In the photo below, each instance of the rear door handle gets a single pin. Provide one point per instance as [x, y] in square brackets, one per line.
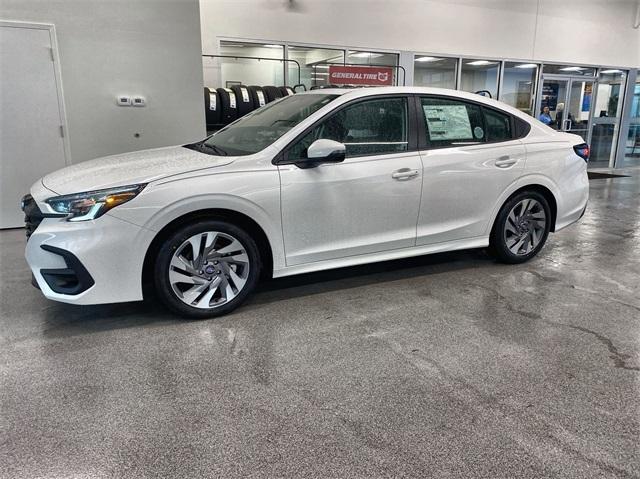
[404, 174]
[505, 161]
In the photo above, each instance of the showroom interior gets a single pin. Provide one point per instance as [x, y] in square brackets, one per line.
[451, 364]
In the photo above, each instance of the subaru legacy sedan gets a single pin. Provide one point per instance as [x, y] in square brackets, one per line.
[318, 180]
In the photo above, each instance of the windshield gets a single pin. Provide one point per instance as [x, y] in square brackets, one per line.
[257, 130]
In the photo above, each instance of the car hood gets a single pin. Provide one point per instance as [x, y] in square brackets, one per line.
[130, 168]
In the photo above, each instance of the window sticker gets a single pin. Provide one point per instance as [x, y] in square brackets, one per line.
[448, 122]
[478, 132]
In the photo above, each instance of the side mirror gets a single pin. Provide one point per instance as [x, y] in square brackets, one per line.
[324, 151]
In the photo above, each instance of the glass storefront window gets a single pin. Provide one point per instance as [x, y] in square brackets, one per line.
[568, 70]
[251, 72]
[439, 72]
[312, 71]
[518, 85]
[480, 75]
[360, 57]
[606, 116]
[371, 58]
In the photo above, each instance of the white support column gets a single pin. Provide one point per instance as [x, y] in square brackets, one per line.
[406, 60]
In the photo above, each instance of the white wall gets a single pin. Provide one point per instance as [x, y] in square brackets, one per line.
[577, 31]
[110, 47]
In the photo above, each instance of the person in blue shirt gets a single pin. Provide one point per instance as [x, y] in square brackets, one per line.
[545, 116]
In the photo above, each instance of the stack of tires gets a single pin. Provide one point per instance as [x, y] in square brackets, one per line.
[224, 105]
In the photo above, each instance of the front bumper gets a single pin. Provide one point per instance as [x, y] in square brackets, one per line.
[90, 262]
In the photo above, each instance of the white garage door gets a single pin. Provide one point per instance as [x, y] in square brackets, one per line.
[31, 142]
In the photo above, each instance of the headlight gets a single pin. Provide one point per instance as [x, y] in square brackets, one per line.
[93, 204]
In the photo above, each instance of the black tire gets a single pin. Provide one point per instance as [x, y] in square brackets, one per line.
[273, 93]
[164, 288]
[499, 236]
[244, 100]
[286, 90]
[258, 95]
[212, 106]
[228, 105]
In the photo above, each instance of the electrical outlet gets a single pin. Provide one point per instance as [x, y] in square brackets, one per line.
[123, 100]
[138, 101]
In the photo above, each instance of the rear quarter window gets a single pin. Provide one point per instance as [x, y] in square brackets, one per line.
[498, 125]
[522, 127]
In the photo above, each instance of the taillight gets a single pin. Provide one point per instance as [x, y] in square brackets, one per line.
[582, 151]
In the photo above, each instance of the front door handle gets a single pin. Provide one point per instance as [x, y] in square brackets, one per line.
[404, 174]
[505, 161]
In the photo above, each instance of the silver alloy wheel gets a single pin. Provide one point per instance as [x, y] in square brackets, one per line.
[525, 226]
[209, 269]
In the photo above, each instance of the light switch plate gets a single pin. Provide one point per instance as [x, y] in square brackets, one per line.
[123, 100]
[138, 101]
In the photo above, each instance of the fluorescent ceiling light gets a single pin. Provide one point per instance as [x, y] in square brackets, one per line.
[571, 69]
[271, 46]
[611, 71]
[478, 63]
[527, 65]
[320, 74]
[429, 59]
[365, 55]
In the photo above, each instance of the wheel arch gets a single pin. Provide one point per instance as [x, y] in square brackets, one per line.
[539, 188]
[239, 219]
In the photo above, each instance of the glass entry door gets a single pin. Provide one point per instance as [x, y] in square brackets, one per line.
[569, 102]
[607, 114]
[578, 109]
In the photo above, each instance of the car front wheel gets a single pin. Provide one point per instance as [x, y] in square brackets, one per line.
[206, 269]
[521, 228]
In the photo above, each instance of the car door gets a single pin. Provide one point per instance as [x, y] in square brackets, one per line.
[470, 156]
[369, 202]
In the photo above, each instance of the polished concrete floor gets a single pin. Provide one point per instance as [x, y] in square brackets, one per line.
[443, 366]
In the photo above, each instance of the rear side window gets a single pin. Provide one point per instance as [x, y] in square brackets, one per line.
[452, 122]
[498, 125]
[369, 127]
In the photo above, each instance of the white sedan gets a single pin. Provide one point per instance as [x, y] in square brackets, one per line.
[318, 180]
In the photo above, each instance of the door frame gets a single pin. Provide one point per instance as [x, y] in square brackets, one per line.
[569, 79]
[55, 58]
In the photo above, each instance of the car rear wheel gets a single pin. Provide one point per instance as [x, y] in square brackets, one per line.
[206, 269]
[521, 228]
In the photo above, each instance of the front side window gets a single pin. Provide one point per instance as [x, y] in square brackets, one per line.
[498, 125]
[259, 129]
[369, 127]
[452, 122]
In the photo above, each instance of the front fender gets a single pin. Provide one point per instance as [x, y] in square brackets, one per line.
[259, 199]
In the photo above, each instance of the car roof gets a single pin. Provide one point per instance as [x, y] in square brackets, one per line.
[352, 93]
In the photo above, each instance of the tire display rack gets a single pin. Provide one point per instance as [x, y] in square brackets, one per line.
[225, 105]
